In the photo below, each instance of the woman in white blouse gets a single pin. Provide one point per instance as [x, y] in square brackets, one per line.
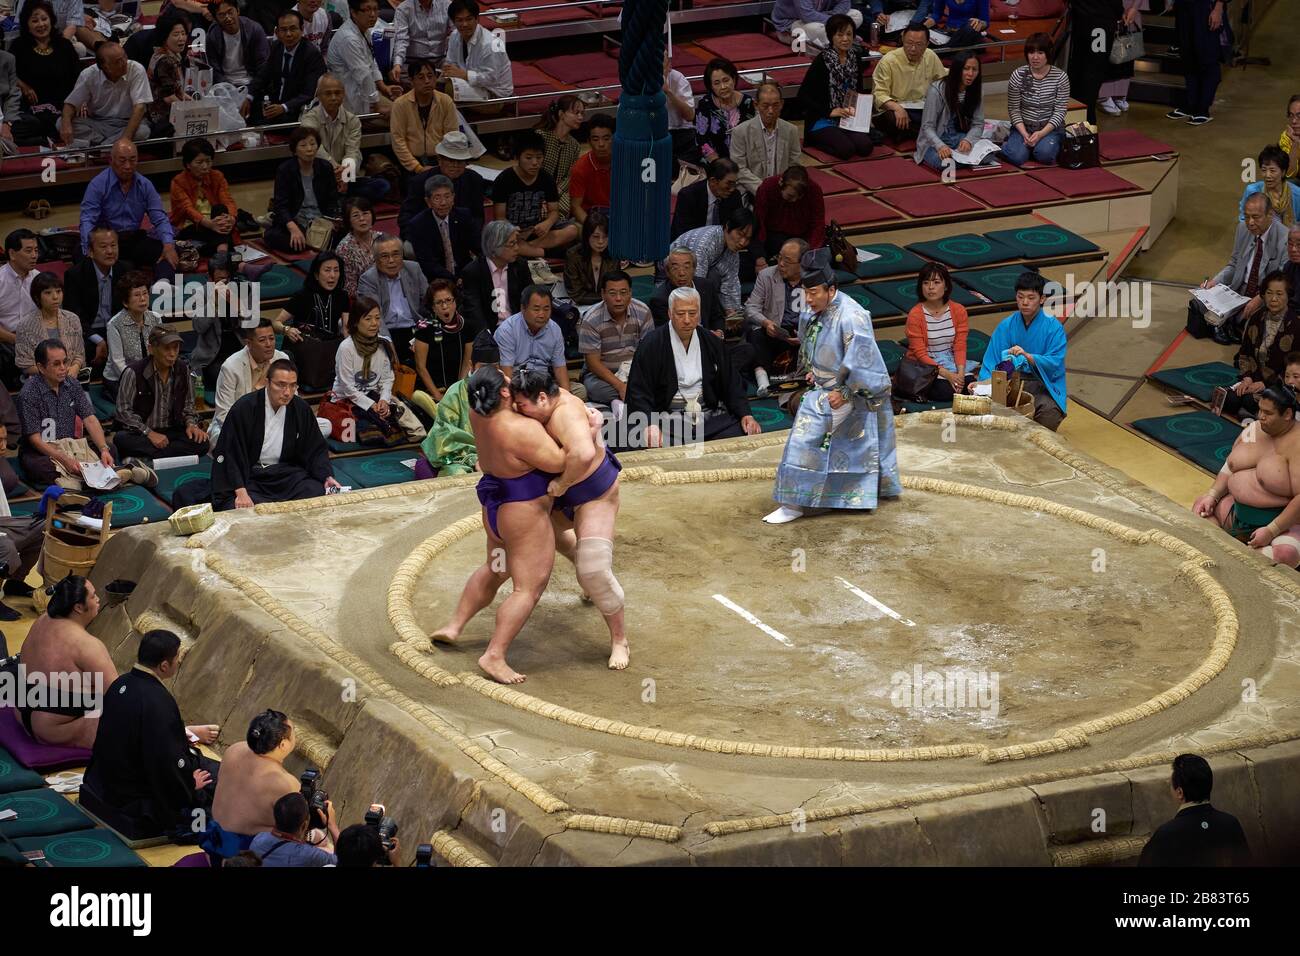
[363, 382]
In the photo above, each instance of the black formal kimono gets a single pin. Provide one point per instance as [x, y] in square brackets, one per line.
[304, 457]
[141, 774]
[1198, 836]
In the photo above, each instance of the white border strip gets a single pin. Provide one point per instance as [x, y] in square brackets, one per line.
[876, 604]
[769, 631]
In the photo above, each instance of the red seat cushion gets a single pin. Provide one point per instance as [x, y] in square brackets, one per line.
[936, 200]
[887, 173]
[1083, 182]
[539, 104]
[1003, 191]
[1129, 144]
[854, 209]
[831, 183]
[580, 68]
[525, 74]
[823, 159]
[741, 47]
[1026, 9]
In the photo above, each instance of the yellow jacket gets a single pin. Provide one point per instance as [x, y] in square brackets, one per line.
[410, 138]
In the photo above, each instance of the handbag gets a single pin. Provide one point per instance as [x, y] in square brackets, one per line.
[1080, 148]
[844, 256]
[914, 379]
[404, 379]
[320, 234]
[315, 360]
[1127, 46]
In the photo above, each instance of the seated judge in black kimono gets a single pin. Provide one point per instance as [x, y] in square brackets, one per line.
[271, 447]
[146, 777]
[1198, 835]
[683, 387]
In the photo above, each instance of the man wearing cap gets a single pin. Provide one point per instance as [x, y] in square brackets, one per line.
[155, 404]
[841, 452]
[454, 154]
[449, 447]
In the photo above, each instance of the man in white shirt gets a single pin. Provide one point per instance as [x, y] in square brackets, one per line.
[352, 60]
[476, 59]
[421, 34]
[108, 101]
[16, 284]
[244, 372]
[681, 114]
[316, 23]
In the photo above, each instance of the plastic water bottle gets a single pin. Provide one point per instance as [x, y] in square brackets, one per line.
[875, 35]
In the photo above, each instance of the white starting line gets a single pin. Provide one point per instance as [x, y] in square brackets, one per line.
[769, 631]
[876, 604]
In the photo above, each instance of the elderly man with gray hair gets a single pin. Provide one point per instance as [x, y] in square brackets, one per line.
[399, 286]
[1258, 248]
[443, 238]
[492, 284]
[683, 387]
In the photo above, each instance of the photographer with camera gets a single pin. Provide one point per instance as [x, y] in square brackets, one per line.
[362, 845]
[289, 843]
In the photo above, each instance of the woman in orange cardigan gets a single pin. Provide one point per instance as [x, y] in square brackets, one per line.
[936, 332]
[203, 211]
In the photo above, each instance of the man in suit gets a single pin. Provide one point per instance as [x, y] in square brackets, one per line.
[287, 80]
[443, 238]
[1258, 248]
[772, 312]
[493, 283]
[1198, 835]
[710, 201]
[399, 286]
[90, 291]
[765, 145]
[682, 387]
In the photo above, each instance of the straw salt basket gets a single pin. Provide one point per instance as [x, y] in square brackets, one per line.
[192, 519]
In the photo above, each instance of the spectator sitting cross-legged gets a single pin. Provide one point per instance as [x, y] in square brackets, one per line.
[526, 195]
[361, 400]
[399, 288]
[108, 101]
[120, 198]
[830, 89]
[339, 131]
[937, 328]
[765, 145]
[443, 238]
[288, 79]
[788, 206]
[128, 331]
[609, 336]
[587, 263]
[49, 320]
[899, 83]
[203, 211]
[47, 66]
[589, 180]
[442, 341]
[532, 336]
[305, 190]
[772, 314]
[477, 62]
[245, 370]
[155, 404]
[421, 118]
[954, 113]
[720, 109]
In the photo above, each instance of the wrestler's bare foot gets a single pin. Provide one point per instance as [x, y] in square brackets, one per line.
[499, 670]
[585, 597]
[619, 654]
[446, 635]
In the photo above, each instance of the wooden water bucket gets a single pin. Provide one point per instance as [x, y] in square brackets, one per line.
[70, 548]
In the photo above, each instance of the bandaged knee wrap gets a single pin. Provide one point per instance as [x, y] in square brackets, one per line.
[595, 567]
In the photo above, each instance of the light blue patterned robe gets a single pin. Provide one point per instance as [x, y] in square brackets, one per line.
[857, 464]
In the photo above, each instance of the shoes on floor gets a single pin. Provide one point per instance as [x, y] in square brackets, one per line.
[1122, 104]
[1177, 114]
[1108, 105]
[7, 613]
[1199, 120]
[144, 476]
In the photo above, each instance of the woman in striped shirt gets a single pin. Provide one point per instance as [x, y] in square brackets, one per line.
[936, 332]
[1037, 96]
